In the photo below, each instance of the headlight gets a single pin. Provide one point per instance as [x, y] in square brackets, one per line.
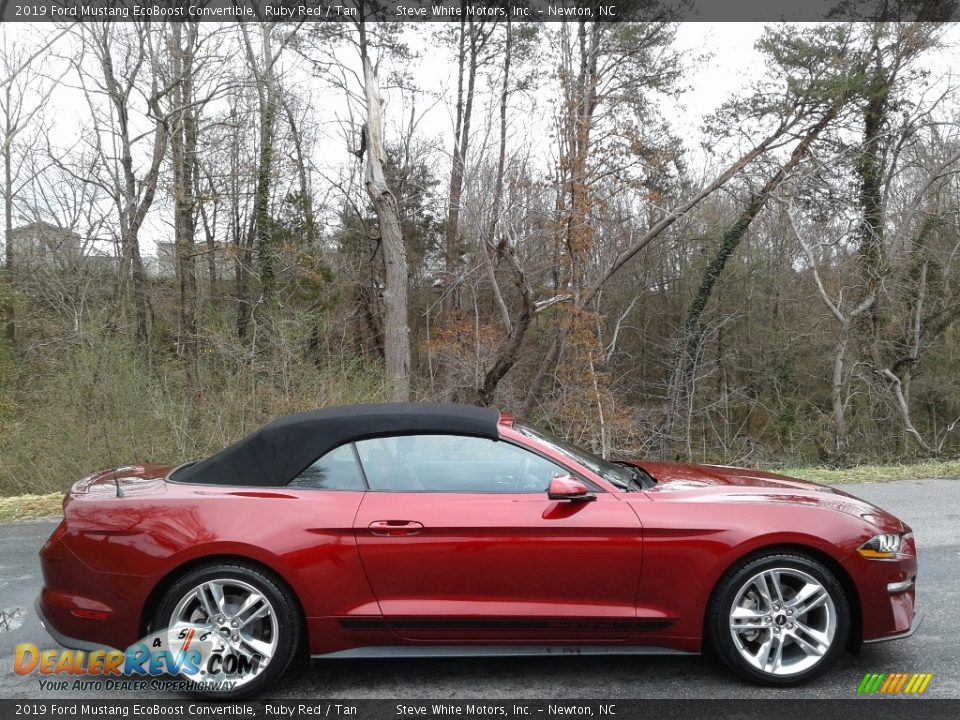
[884, 545]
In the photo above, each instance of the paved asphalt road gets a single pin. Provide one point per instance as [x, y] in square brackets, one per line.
[932, 507]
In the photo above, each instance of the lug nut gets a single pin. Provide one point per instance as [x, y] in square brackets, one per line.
[790, 626]
[234, 624]
[220, 619]
[789, 612]
[236, 637]
[766, 619]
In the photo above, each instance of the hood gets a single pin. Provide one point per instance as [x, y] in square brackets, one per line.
[716, 483]
[681, 476]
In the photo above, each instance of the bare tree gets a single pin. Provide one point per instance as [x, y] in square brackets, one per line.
[472, 39]
[23, 96]
[183, 43]
[263, 70]
[117, 142]
[845, 318]
[396, 332]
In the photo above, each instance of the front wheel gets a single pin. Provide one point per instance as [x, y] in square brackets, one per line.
[244, 620]
[779, 619]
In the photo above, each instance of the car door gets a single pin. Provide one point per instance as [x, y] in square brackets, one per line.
[460, 542]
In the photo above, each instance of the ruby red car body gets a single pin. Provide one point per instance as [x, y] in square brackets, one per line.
[630, 569]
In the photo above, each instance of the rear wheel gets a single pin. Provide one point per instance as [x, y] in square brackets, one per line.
[779, 618]
[243, 619]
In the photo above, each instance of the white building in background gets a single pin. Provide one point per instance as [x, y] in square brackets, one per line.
[41, 244]
[53, 247]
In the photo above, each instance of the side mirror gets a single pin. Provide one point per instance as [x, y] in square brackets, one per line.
[567, 487]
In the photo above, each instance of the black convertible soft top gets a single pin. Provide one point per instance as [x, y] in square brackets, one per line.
[278, 452]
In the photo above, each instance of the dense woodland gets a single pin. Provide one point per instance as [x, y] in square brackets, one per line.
[783, 291]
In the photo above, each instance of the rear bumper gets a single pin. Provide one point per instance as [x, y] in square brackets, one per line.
[66, 641]
[83, 608]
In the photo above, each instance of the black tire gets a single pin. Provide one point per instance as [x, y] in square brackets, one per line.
[291, 637]
[720, 637]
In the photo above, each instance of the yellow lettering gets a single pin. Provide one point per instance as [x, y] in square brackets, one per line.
[95, 666]
[112, 661]
[25, 658]
[47, 658]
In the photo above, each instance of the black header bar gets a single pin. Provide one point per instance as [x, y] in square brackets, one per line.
[472, 709]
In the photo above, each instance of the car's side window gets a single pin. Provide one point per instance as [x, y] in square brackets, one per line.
[337, 470]
[453, 463]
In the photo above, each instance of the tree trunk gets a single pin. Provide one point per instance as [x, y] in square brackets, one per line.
[396, 332]
[140, 302]
[841, 441]
[9, 313]
[467, 63]
[261, 210]
[870, 171]
[582, 102]
[183, 144]
[241, 256]
[306, 199]
[210, 235]
[492, 243]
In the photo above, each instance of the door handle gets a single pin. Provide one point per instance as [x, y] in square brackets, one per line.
[395, 527]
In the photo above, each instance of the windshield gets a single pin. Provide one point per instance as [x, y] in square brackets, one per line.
[617, 475]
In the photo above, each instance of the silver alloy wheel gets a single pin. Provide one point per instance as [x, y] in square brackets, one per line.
[783, 621]
[235, 616]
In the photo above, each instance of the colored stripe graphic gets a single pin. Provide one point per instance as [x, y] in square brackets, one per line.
[894, 683]
[186, 643]
[900, 682]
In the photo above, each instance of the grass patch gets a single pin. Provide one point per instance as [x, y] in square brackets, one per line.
[30, 507]
[876, 473]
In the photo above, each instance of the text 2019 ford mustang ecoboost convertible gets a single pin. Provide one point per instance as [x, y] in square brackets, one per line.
[421, 529]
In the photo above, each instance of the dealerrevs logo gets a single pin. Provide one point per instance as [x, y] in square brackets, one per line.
[192, 653]
[894, 683]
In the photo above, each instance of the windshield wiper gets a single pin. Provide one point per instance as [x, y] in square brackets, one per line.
[641, 478]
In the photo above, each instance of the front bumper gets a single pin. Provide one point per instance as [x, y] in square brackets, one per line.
[888, 594]
[917, 619]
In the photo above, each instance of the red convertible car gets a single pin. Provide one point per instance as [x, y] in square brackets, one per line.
[448, 530]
